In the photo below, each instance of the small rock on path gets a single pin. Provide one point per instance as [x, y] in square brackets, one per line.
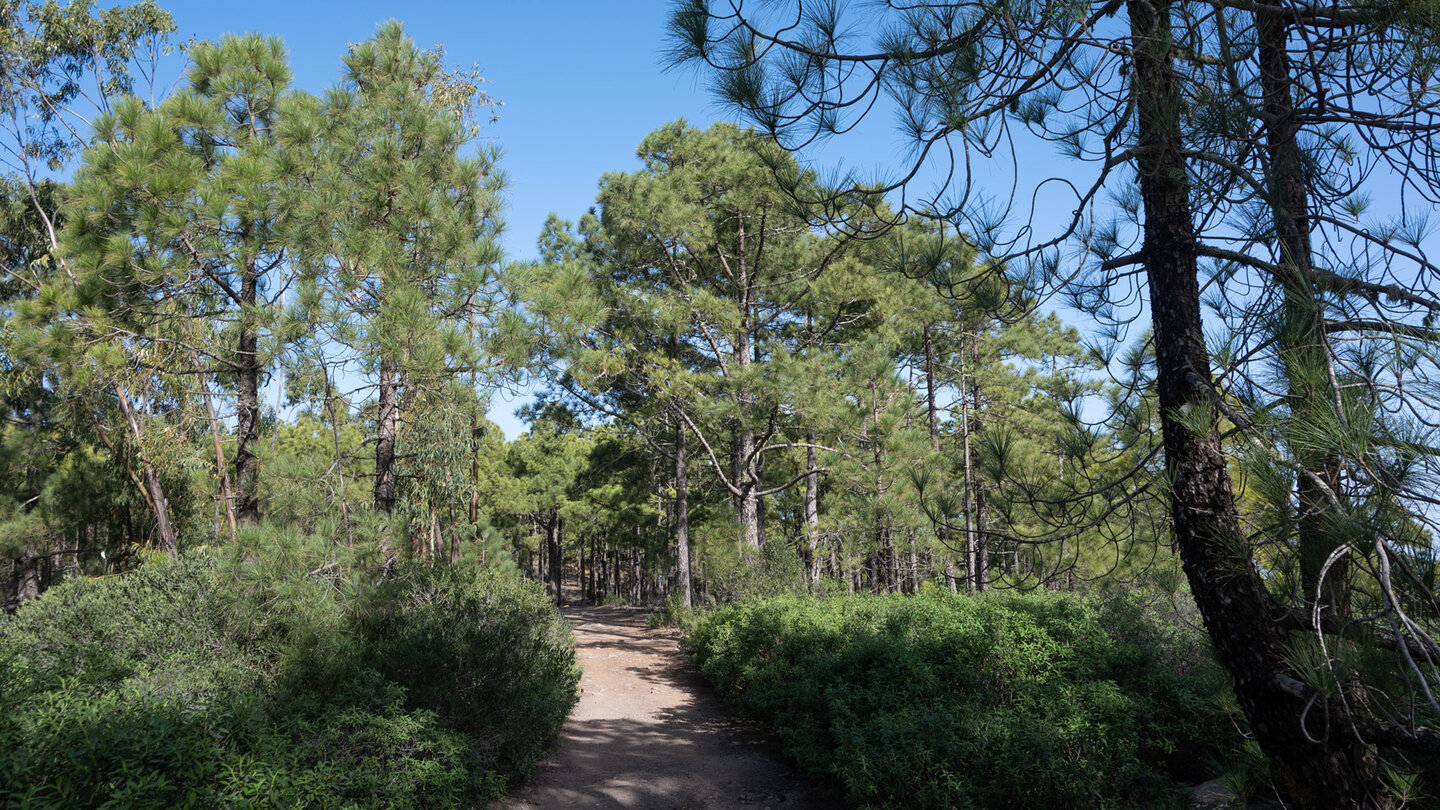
[649, 734]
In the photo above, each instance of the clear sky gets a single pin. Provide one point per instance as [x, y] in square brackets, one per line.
[582, 83]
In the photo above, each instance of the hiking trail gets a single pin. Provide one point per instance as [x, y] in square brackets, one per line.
[649, 733]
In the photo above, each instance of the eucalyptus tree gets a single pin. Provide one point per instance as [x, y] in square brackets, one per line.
[1124, 87]
[59, 67]
[400, 226]
[192, 243]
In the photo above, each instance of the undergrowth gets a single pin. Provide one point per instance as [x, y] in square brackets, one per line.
[1006, 701]
[277, 673]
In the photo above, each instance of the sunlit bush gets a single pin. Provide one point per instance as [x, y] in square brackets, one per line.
[279, 674]
[1008, 701]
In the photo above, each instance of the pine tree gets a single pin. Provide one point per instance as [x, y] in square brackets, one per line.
[401, 228]
[692, 276]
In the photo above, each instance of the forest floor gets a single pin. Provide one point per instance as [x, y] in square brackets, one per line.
[650, 734]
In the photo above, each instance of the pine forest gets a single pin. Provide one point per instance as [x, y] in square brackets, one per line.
[1072, 440]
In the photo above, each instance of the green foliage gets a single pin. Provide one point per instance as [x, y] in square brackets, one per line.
[733, 574]
[276, 675]
[940, 701]
[446, 636]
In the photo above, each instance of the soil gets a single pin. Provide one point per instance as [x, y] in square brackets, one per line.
[649, 734]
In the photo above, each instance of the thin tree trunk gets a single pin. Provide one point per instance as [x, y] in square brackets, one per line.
[154, 491]
[912, 574]
[454, 539]
[1304, 351]
[387, 424]
[977, 498]
[932, 421]
[682, 518]
[972, 576]
[554, 529]
[339, 460]
[812, 507]
[220, 472]
[745, 467]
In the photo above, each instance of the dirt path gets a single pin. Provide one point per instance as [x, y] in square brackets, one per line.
[648, 734]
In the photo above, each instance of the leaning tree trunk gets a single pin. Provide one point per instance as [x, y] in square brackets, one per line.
[1224, 581]
[150, 478]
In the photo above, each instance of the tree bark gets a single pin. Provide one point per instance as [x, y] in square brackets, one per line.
[977, 497]
[1304, 352]
[387, 424]
[682, 518]
[932, 422]
[1224, 581]
[812, 508]
[247, 402]
[553, 531]
[746, 472]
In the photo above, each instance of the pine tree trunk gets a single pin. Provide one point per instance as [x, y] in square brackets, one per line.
[977, 496]
[812, 508]
[387, 424]
[912, 571]
[750, 518]
[553, 529]
[1223, 578]
[247, 402]
[942, 532]
[972, 571]
[27, 579]
[682, 518]
[745, 467]
[1303, 347]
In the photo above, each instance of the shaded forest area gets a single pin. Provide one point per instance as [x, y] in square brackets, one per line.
[250, 334]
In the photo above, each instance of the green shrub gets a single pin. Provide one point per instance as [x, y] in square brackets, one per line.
[276, 675]
[1009, 701]
[486, 654]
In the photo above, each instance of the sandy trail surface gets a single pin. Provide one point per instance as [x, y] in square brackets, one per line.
[649, 734]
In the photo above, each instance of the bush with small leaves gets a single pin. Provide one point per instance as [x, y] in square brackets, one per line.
[1006, 701]
[277, 674]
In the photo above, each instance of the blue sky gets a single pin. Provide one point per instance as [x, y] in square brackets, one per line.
[581, 82]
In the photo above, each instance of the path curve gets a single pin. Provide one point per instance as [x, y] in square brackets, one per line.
[649, 734]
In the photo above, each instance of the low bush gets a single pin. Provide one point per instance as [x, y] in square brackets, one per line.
[1007, 701]
[257, 678]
